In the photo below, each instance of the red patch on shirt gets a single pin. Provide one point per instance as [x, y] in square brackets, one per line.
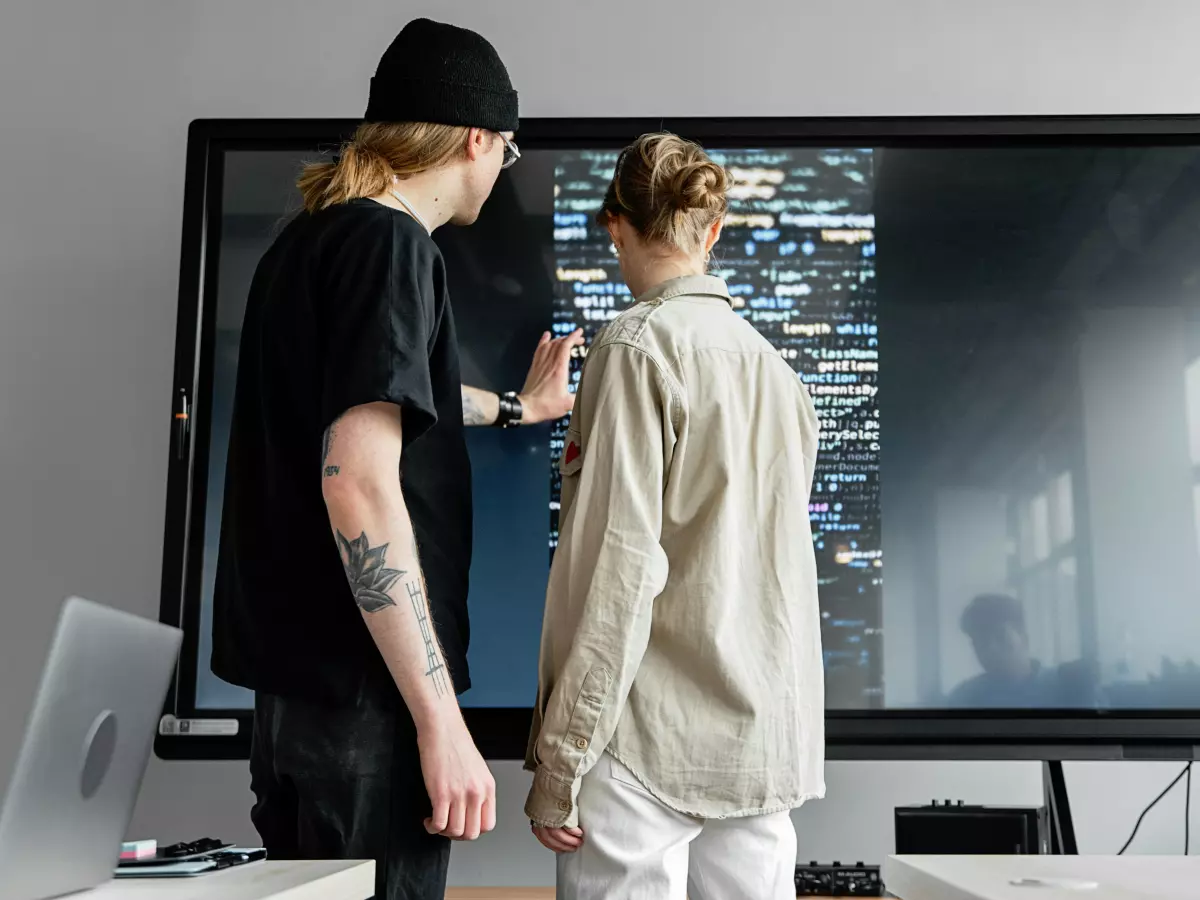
[572, 453]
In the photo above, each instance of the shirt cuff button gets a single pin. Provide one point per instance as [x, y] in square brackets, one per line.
[564, 805]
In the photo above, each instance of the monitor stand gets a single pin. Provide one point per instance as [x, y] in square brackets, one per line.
[1061, 837]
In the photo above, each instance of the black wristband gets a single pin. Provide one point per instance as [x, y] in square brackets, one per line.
[511, 412]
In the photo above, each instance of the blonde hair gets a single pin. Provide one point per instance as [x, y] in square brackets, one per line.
[669, 189]
[379, 151]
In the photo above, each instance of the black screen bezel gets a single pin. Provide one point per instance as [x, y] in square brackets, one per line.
[502, 733]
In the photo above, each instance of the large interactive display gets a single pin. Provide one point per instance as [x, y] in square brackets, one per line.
[999, 324]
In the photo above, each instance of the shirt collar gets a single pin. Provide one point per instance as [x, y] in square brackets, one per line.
[688, 285]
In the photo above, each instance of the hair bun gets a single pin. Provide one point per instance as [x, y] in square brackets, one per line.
[698, 184]
[669, 190]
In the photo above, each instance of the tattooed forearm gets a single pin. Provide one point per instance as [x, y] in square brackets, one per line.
[436, 667]
[480, 407]
[369, 579]
[472, 414]
[327, 443]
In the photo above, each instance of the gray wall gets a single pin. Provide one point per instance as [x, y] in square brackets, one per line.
[94, 103]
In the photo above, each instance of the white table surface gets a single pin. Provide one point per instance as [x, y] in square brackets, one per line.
[991, 877]
[308, 880]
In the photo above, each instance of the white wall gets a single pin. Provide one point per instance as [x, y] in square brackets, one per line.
[94, 103]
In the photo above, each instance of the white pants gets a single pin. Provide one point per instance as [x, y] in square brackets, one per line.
[636, 847]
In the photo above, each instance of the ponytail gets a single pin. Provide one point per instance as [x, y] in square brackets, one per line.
[378, 152]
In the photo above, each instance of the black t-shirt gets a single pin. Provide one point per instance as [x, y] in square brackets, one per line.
[348, 306]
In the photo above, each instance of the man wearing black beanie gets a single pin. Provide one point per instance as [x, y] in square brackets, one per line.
[347, 463]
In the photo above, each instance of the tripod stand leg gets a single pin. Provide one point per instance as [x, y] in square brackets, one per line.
[1058, 809]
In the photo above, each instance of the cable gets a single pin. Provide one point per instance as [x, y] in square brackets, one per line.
[1187, 770]
[1187, 814]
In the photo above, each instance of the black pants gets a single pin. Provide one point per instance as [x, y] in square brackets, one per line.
[346, 784]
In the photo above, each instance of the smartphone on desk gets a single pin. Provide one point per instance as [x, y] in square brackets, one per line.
[189, 868]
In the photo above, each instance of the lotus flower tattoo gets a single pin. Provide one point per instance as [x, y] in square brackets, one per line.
[365, 571]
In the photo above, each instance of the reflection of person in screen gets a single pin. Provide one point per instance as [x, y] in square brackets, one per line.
[347, 460]
[680, 704]
[1011, 677]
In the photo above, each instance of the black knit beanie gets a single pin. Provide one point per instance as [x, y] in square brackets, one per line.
[440, 73]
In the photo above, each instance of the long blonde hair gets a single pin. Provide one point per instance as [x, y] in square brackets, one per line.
[379, 151]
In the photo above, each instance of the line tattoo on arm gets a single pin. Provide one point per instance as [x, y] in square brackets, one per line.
[435, 659]
[472, 414]
[369, 579]
[326, 445]
[436, 667]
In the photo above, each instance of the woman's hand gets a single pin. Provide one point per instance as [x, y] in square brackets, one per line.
[560, 840]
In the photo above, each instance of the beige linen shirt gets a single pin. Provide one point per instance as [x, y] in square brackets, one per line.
[681, 631]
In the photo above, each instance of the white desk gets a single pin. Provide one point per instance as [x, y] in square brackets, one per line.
[320, 880]
[990, 877]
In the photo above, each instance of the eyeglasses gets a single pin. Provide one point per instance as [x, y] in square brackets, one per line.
[511, 153]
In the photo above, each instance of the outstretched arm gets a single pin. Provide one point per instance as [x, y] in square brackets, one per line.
[480, 407]
[546, 395]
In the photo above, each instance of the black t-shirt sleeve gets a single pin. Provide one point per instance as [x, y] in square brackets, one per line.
[381, 317]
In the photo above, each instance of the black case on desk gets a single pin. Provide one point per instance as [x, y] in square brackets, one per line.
[953, 828]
